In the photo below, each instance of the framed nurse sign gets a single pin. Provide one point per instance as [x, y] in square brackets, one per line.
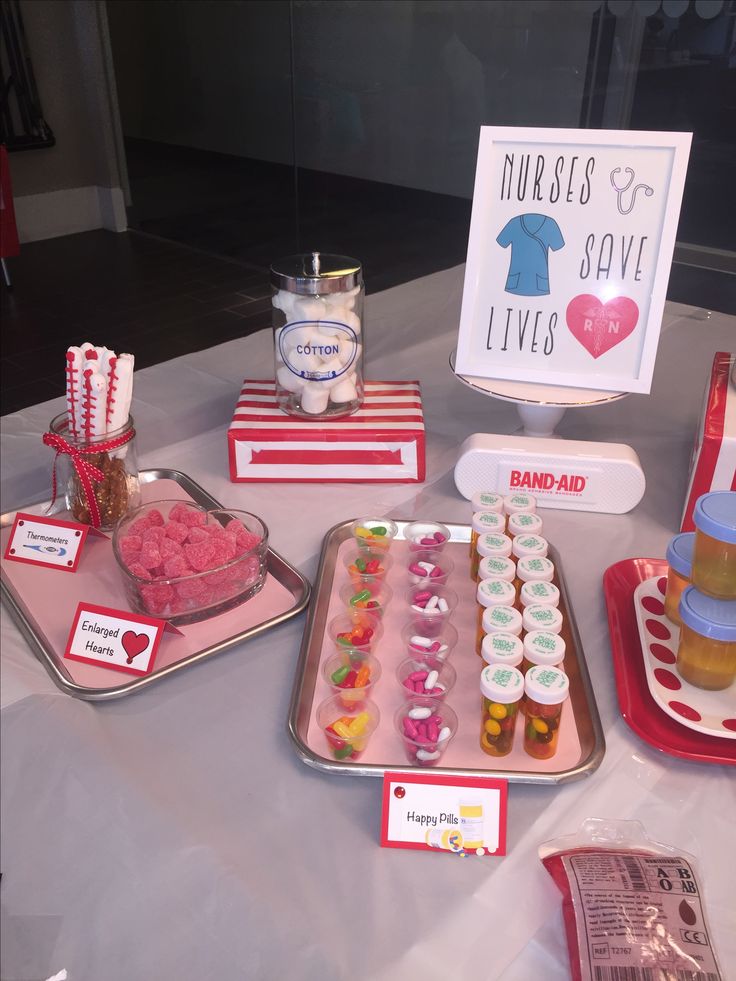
[569, 256]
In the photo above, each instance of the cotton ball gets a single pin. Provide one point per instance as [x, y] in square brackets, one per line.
[314, 398]
[346, 300]
[309, 308]
[344, 391]
[299, 336]
[304, 362]
[288, 380]
[352, 320]
[347, 346]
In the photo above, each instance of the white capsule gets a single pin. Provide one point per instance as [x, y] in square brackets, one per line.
[444, 734]
[441, 651]
[427, 566]
[419, 713]
[344, 390]
[288, 380]
[417, 609]
[432, 603]
[425, 754]
[418, 641]
[431, 680]
[314, 398]
[442, 605]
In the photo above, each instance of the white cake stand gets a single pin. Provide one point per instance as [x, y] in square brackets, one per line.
[541, 407]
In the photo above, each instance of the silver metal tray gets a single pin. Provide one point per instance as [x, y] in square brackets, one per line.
[278, 567]
[585, 710]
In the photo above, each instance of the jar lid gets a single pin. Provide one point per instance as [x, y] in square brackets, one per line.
[501, 683]
[515, 503]
[504, 619]
[502, 648]
[525, 522]
[535, 568]
[524, 545]
[544, 647]
[542, 618]
[316, 273]
[493, 543]
[680, 553]
[485, 521]
[548, 686]
[710, 617]
[495, 592]
[715, 515]
[497, 567]
[487, 501]
[540, 593]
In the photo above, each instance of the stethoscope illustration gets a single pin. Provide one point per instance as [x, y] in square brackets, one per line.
[620, 191]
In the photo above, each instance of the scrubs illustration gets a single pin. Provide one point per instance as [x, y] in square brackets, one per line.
[530, 238]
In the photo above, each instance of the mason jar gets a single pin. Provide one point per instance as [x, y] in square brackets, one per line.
[317, 315]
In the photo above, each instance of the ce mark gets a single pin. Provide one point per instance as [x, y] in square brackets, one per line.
[694, 937]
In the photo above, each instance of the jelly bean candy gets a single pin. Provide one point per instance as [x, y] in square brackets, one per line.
[363, 677]
[360, 564]
[360, 598]
[349, 680]
[337, 677]
[362, 533]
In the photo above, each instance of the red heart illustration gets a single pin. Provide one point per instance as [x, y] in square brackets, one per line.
[134, 644]
[600, 326]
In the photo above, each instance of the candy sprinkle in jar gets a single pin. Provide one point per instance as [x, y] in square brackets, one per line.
[501, 689]
[546, 691]
[714, 555]
[706, 656]
[679, 560]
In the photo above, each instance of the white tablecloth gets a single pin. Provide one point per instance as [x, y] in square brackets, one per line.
[174, 834]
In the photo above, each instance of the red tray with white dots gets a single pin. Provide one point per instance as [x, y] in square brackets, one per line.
[671, 732]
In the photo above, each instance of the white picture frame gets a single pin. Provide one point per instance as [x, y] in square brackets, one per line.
[597, 211]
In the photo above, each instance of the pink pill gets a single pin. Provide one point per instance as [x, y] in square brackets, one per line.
[422, 728]
[410, 729]
[435, 647]
[433, 732]
[435, 573]
[435, 720]
[422, 740]
[418, 675]
[423, 595]
[437, 690]
[416, 569]
[428, 541]
[418, 687]
[439, 537]
[408, 684]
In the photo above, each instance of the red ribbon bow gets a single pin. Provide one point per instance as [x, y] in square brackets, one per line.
[85, 470]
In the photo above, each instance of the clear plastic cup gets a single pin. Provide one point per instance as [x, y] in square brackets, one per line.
[374, 533]
[359, 560]
[374, 598]
[419, 573]
[418, 644]
[352, 675]
[425, 731]
[427, 680]
[426, 534]
[347, 730]
[345, 631]
[431, 603]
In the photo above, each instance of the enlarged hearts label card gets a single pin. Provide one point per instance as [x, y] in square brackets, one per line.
[114, 639]
[47, 542]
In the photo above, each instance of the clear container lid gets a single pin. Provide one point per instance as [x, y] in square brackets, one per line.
[497, 567]
[715, 515]
[502, 648]
[487, 501]
[707, 616]
[543, 647]
[542, 618]
[515, 503]
[548, 686]
[317, 273]
[525, 523]
[492, 543]
[495, 592]
[535, 568]
[539, 593]
[505, 619]
[484, 521]
[501, 684]
[680, 553]
[524, 545]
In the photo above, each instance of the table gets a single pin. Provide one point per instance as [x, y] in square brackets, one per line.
[175, 834]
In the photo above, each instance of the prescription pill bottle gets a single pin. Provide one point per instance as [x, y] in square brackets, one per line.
[541, 647]
[496, 567]
[519, 504]
[539, 593]
[317, 316]
[706, 656]
[501, 689]
[490, 544]
[533, 568]
[501, 619]
[527, 546]
[489, 593]
[714, 555]
[484, 500]
[471, 823]
[449, 839]
[522, 523]
[540, 617]
[679, 560]
[546, 690]
[502, 648]
[483, 522]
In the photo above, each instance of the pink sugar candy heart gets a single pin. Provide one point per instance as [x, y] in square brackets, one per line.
[139, 526]
[155, 517]
[199, 556]
[179, 510]
[168, 547]
[150, 557]
[175, 567]
[177, 531]
[130, 545]
[197, 534]
[193, 518]
[154, 533]
[191, 590]
[156, 598]
[138, 570]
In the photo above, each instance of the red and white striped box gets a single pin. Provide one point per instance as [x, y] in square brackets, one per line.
[713, 463]
[382, 442]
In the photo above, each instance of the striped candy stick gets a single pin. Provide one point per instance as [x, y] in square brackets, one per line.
[74, 360]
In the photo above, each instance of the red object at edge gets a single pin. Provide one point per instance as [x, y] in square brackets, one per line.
[9, 244]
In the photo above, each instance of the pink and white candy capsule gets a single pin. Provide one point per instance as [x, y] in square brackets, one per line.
[425, 731]
[420, 643]
[423, 535]
[430, 566]
[426, 679]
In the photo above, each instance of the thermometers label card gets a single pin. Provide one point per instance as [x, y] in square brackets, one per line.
[47, 542]
[427, 811]
[114, 639]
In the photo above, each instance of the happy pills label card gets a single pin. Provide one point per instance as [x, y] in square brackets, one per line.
[48, 542]
[571, 242]
[114, 639]
[431, 812]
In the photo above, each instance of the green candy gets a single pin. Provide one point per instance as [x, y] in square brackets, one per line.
[341, 754]
[360, 564]
[341, 674]
[380, 531]
[364, 594]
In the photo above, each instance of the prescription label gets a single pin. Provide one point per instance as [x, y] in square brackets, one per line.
[639, 918]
